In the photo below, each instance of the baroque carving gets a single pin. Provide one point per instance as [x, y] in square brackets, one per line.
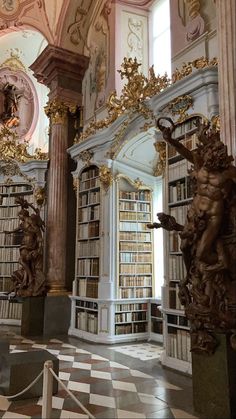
[12, 95]
[86, 156]
[208, 238]
[29, 280]
[57, 112]
[160, 147]
[105, 177]
[13, 62]
[13, 149]
[180, 106]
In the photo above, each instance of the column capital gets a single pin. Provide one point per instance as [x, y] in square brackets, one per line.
[62, 71]
[57, 111]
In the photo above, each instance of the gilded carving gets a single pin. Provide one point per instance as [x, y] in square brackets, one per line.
[86, 156]
[40, 195]
[180, 106]
[105, 176]
[12, 149]
[137, 89]
[57, 112]
[160, 147]
[14, 62]
[208, 238]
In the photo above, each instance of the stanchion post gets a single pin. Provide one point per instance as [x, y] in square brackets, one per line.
[47, 390]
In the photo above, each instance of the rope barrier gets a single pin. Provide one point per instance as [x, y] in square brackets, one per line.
[26, 388]
[71, 394]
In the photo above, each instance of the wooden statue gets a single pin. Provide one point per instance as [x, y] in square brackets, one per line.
[208, 238]
[29, 280]
[12, 95]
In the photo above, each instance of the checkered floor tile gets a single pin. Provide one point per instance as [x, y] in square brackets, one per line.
[107, 389]
[142, 351]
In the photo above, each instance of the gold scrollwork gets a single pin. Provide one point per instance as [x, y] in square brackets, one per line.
[12, 149]
[40, 195]
[57, 111]
[160, 147]
[75, 183]
[86, 156]
[138, 89]
[180, 106]
[105, 176]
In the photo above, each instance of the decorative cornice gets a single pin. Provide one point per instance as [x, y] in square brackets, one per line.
[138, 89]
[180, 106]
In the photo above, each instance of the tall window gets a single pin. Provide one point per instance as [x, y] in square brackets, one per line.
[160, 37]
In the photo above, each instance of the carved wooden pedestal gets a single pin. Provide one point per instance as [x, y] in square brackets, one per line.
[214, 381]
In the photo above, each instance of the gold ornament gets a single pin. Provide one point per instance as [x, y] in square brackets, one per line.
[57, 112]
[105, 176]
[160, 147]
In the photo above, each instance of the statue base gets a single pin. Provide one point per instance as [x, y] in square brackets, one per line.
[57, 312]
[214, 381]
[32, 316]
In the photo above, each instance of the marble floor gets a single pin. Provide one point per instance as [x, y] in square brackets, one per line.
[110, 381]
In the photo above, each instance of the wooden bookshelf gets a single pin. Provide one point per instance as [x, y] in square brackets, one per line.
[10, 313]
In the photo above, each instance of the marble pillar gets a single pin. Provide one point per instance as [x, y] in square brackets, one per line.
[226, 31]
[62, 71]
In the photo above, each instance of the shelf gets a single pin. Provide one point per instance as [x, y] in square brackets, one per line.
[180, 203]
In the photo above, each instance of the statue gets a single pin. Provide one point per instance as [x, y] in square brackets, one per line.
[11, 102]
[208, 238]
[29, 280]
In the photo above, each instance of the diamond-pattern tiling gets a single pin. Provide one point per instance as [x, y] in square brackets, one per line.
[107, 389]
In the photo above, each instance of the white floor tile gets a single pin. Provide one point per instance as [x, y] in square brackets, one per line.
[102, 400]
[125, 414]
[11, 415]
[123, 385]
[101, 374]
[116, 365]
[149, 399]
[64, 375]
[136, 373]
[180, 414]
[66, 358]
[82, 365]
[98, 357]
[77, 386]
[82, 351]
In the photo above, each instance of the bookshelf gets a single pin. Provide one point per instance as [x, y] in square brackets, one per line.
[87, 251]
[10, 312]
[156, 321]
[179, 195]
[131, 318]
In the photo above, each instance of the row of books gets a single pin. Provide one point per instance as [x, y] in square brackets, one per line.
[129, 257]
[11, 189]
[88, 248]
[90, 173]
[5, 284]
[136, 269]
[8, 224]
[89, 214]
[9, 254]
[157, 326]
[177, 320]
[155, 310]
[130, 317]
[89, 184]
[89, 230]
[135, 247]
[174, 302]
[176, 267]
[87, 287]
[126, 329]
[132, 226]
[87, 322]
[135, 281]
[9, 212]
[190, 142]
[135, 292]
[8, 268]
[178, 170]
[180, 213]
[131, 307]
[134, 206]
[89, 198]
[87, 304]
[135, 216]
[186, 126]
[135, 236]
[180, 190]
[135, 196]
[174, 241]
[179, 345]
[88, 267]
[10, 310]
[10, 200]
